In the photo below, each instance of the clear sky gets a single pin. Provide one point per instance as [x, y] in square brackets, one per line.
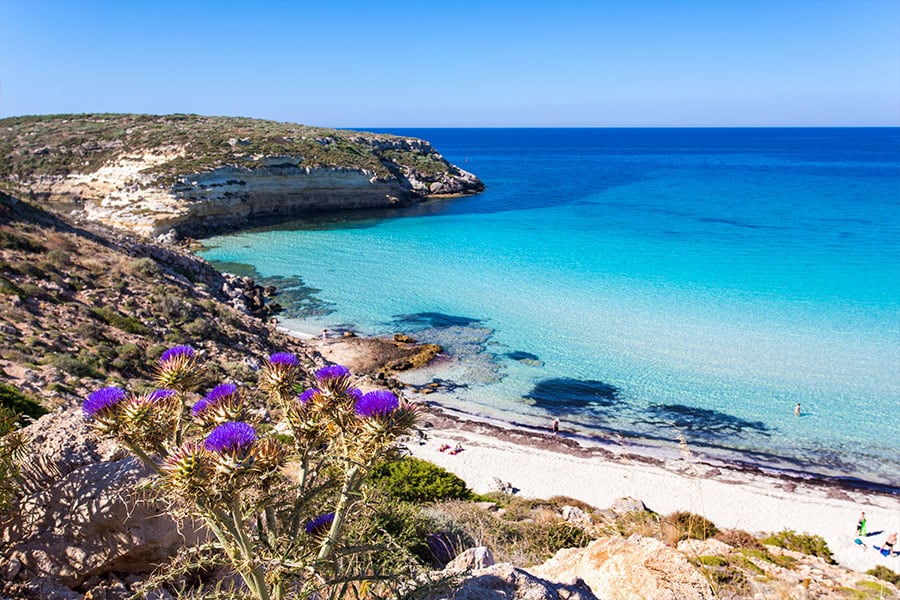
[418, 63]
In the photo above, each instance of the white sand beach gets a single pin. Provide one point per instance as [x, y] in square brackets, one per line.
[731, 499]
[540, 465]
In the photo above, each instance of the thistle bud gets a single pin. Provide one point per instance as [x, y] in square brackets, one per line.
[101, 408]
[268, 454]
[175, 368]
[231, 444]
[222, 404]
[333, 379]
[280, 372]
[186, 469]
[319, 526]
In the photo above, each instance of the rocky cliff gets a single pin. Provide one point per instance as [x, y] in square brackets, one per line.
[151, 174]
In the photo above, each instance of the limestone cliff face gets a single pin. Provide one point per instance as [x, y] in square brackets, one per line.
[197, 174]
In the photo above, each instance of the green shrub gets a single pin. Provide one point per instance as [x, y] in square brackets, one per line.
[79, 366]
[723, 574]
[111, 317]
[691, 526]
[415, 480]
[126, 356]
[15, 241]
[738, 538]
[885, 574]
[8, 288]
[812, 545]
[145, 266]
[712, 561]
[58, 259]
[785, 562]
[19, 403]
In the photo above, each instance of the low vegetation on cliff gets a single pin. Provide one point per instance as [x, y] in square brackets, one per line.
[34, 146]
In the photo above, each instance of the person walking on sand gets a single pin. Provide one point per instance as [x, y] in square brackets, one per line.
[797, 410]
[861, 525]
[324, 334]
[555, 426]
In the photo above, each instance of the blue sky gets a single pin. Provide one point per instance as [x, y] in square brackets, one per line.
[392, 63]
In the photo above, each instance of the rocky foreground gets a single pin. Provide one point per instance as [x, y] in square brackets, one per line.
[152, 174]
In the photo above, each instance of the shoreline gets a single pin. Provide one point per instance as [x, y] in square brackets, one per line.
[539, 464]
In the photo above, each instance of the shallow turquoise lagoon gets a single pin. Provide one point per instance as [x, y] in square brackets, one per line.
[642, 285]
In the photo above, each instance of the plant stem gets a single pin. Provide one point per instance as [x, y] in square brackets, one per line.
[339, 514]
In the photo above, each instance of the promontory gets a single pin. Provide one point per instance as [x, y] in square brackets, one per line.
[151, 174]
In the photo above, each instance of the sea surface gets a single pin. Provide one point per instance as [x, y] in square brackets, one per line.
[655, 288]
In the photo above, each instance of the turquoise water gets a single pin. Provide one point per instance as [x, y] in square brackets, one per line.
[657, 284]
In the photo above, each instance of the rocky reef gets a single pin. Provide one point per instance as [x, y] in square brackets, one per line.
[194, 174]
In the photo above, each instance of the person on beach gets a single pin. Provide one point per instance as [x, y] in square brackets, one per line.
[324, 334]
[797, 410]
[861, 525]
[890, 541]
[555, 426]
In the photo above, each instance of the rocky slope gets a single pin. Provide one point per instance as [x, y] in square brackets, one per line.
[151, 174]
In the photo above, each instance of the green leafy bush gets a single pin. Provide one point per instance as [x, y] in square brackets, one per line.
[111, 317]
[688, 525]
[415, 480]
[15, 241]
[19, 404]
[812, 545]
[885, 574]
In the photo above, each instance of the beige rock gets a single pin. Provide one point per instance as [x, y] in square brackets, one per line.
[471, 559]
[623, 569]
[79, 515]
[505, 582]
[710, 547]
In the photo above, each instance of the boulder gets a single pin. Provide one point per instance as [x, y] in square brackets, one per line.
[506, 582]
[79, 515]
[623, 506]
[622, 569]
[479, 557]
[576, 516]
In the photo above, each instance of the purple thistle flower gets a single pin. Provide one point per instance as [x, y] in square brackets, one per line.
[320, 524]
[234, 436]
[284, 359]
[177, 352]
[355, 393]
[102, 400]
[332, 372]
[379, 402]
[163, 394]
[220, 393]
[306, 396]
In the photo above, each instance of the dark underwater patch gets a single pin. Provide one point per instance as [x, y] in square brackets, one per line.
[433, 320]
[566, 392]
[519, 355]
[702, 421]
[297, 300]
[235, 268]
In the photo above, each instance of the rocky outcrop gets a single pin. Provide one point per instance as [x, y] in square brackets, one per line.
[506, 582]
[199, 174]
[622, 569]
[79, 517]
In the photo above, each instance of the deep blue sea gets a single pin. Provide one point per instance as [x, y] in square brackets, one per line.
[643, 285]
